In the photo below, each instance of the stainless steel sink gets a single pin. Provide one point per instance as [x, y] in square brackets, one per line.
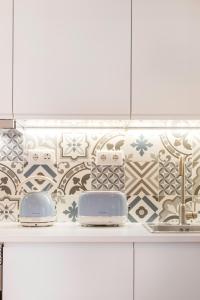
[164, 227]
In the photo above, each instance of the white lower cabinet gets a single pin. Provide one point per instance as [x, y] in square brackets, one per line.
[78, 271]
[165, 271]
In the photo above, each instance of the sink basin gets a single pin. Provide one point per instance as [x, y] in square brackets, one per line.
[164, 227]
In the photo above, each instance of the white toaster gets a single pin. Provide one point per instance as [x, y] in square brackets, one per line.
[102, 208]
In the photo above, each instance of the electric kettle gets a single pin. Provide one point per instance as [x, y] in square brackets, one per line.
[37, 208]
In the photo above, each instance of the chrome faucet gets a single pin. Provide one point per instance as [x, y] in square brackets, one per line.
[183, 215]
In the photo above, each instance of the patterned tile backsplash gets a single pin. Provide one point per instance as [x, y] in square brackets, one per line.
[148, 176]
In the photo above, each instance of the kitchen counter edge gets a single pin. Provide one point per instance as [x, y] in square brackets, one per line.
[73, 233]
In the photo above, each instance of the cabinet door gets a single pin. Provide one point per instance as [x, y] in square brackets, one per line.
[72, 58]
[68, 271]
[166, 64]
[5, 58]
[167, 271]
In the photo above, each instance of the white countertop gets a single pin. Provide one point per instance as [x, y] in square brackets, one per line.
[65, 232]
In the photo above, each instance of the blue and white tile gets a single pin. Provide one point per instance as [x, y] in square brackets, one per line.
[11, 145]
[72, 145]
[143, 208]
[73, 163]
[142, 145]
[32, 178]
[67, 208]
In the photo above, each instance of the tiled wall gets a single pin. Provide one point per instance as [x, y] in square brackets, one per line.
[149, 176]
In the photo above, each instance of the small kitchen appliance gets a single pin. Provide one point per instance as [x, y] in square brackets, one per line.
[37, 208]
[106, 208]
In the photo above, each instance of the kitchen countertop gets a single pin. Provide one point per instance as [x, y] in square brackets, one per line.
[65, 232]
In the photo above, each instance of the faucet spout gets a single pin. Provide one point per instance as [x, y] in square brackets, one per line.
[183, 215]
[181, 169]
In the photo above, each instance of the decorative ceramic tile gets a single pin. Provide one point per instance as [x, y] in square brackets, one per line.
[75, 180]
[142, 145]
[39, 138]
[141, 177]
[195, 206]
[73, 145]
[10, 177]
[177, 142]
[67, 208]
[107, 140]
[170, 208]
[188, 176]
[11, 145]
[106, 178]
[169, 180]
[143, 208]
[196, 146]
[9, 209]
[196, 178]
[151, 167]
[38, 184]
[63, 167]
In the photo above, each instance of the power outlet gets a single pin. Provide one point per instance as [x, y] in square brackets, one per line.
[42, 157]
[115, 158]
[103, 158]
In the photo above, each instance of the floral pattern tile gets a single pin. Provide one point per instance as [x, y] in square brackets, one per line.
[9, 209]
[67, 208]
[142, 145]
[73, 146]
[149, 176]
[104, 140]
[10, 177]
[176, 143]
[170, 208]
[75, 179]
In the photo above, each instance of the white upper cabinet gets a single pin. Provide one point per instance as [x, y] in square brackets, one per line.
[5, 59]
[166, 59]
[72, 58]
